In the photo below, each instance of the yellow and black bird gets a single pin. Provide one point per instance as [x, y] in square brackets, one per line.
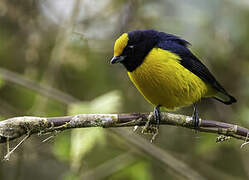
[166, 72]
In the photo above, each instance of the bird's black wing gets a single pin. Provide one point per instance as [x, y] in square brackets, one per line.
[193, 64]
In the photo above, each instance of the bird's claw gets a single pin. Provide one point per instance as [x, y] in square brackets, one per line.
[150, 128]
[195, 117]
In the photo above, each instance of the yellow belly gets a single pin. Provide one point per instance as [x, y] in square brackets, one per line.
[163, 81]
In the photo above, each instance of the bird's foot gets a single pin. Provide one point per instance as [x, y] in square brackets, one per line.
[196, 121]
[195, 117]
[150, 128]
[157, 115]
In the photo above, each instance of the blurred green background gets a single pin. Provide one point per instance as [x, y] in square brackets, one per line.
[54, 61]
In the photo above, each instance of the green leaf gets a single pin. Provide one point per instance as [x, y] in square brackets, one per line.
[107, 103]
[83, 140]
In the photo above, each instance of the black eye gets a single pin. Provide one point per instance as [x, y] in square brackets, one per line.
[129, 50]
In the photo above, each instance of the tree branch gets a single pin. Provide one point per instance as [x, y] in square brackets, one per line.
[18, 126]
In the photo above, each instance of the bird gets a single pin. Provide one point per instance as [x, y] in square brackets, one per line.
[166, 72]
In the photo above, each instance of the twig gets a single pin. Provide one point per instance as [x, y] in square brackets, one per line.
[246, 141]
[16, 127]
[7, 156]
[8, 146]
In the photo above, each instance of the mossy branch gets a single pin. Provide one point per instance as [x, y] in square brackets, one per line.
[18, 126]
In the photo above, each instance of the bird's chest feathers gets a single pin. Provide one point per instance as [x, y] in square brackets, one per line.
[164, 81]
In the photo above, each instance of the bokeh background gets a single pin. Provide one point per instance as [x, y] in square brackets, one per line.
[54, 61]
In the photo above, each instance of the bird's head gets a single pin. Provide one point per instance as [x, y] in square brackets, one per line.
[131, 48]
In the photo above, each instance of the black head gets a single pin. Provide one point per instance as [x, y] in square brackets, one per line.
[131, 48]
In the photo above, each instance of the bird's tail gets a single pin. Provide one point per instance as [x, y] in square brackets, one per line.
[225, 98]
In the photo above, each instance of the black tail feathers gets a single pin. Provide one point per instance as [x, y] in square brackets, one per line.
[225, 98]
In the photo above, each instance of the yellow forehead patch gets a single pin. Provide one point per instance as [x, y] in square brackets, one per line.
[120, 44]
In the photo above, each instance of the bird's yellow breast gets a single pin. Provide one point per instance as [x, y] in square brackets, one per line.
[162, 80]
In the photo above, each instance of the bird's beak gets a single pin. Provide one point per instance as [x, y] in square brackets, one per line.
[117, 59]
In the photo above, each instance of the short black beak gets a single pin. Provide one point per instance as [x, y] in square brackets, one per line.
[117, 59]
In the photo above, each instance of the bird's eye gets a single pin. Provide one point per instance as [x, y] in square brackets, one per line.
[129, 50]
